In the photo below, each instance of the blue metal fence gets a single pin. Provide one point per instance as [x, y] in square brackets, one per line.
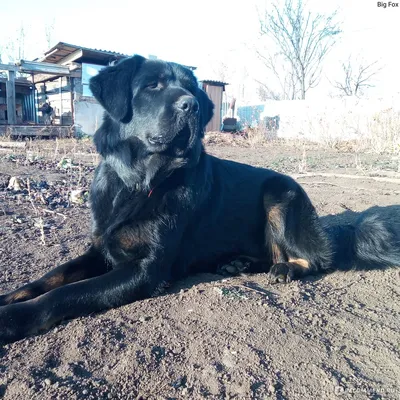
[249, 115]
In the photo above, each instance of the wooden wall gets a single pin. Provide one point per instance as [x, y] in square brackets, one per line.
[215, 94]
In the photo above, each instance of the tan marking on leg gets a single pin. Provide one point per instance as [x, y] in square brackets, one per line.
[54, 281]
[274, 216]
[276, 253]
[129, 238]
[97, 241]
[58, 280]
[274, 219]
[125, 241]
[19, 295]
[301, 262]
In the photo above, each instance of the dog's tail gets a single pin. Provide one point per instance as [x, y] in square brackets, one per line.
[371, 242]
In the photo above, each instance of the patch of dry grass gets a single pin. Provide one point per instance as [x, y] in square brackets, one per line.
[384, 132]
[378, 133]
[76, 150]
[228, 139]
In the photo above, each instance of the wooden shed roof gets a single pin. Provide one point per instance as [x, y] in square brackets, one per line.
[62, 51]
[214, 83]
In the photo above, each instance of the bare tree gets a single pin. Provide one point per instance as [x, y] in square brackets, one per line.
[221, 70]
[49, 32]
[264, 92]
[21, 42]
[303, 40]
[227, 69]
[13, 48]
[2, 73]
[357, 77]
[288, 87]
[9, 51]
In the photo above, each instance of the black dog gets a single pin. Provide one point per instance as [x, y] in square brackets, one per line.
[162, 208]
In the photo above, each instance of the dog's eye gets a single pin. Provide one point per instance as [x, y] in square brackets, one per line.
[153, 85]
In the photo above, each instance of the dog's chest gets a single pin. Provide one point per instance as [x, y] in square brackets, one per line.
[128, 222]
[117, 205]
[123, 227]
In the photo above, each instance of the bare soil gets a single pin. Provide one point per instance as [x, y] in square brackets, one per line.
[212, 337]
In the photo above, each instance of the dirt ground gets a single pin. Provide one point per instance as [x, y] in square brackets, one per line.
[212, 337]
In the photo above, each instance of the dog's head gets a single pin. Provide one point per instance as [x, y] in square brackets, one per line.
[159, 103]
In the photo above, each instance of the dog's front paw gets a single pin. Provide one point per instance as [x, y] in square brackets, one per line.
[16, 321]
[282, 273]
[286, 272]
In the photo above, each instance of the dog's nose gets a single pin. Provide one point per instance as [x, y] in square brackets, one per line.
[188, 104]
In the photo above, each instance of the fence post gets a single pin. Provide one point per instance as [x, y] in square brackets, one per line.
[10, 90]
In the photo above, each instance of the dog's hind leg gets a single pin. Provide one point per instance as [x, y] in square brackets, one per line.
[88, 265]
[297, 244]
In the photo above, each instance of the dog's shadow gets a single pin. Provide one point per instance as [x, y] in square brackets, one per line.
[388, 214]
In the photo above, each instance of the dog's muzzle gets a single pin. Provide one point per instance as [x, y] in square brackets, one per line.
[187, 114]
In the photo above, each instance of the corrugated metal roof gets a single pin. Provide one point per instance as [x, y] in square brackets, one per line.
[75, 47]
[61, 50]
[212, 82]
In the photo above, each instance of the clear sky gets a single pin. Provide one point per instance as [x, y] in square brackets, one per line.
[198, 33]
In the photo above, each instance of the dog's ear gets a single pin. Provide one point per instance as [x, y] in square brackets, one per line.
[107, 137]
[206, 107]
[112, 87]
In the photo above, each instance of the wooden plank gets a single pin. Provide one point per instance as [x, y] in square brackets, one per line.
[32, 134]
[215, 94]
[13, 145]
[10, 91]
[61, 101]
[43, 77]
[8, 67]
[45, 68]
[72, 98]
[36, 130]
[72, 57]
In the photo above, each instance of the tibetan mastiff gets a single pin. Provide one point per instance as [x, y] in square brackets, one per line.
[162, 208]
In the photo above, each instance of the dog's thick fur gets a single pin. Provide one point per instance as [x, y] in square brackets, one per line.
[162, 208]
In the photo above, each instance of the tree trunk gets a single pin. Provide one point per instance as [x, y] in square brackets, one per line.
[303, 85]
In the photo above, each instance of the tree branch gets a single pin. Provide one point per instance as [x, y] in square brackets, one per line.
[302, 38]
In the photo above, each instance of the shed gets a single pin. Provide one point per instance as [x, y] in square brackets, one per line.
[70, 96]
[61, 78]
[215, 91]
